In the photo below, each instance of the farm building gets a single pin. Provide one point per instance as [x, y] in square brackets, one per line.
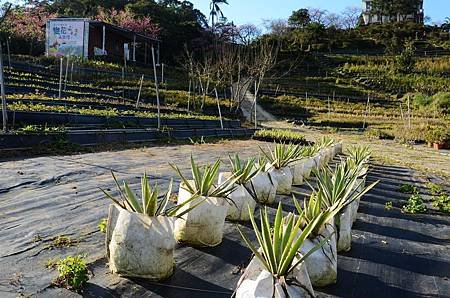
[89, 38]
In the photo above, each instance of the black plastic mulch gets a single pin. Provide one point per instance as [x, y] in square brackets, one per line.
[393, 254]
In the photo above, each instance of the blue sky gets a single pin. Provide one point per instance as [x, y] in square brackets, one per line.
[254, 11]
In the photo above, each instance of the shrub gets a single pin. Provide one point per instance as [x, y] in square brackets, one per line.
[442, 202]
[415, 205]
[435, 189]
[439, 135]
[441, 101]
[405, 61]
[388, 206]
[73, 273]
[408, 188]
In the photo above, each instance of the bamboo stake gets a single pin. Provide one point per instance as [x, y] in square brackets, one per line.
[218, 107]
[65, 77]
[189, 95]
[139, 93]
[156, 87]
[9, 52]
[256, 95]
[71, 72]
[60, 77]
[409, 114]
[2, 93]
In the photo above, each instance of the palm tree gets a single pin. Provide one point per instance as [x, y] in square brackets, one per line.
[215, 10]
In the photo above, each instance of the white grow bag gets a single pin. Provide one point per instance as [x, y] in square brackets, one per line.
[264, 187]
[240, 201]
[319, 160]
[307, 167]
[344, 226]
[362, 183]
[258, 282]
[338, 148]
[283, 176]
[297, 170]
[138, 245]
[322, 264]
[203, 225]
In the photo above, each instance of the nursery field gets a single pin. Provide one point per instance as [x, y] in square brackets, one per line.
[95, 107]
[51, 207]
[369, 93]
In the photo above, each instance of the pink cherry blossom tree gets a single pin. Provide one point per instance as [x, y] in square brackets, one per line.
[128, 20]
[28, 22]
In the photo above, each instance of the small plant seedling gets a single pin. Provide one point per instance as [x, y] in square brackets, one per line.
[388, 206]
[435, 189]
[442, 202]
[51, 263]
[408, 188]
[73, 273]
[415, 205]
[61, 241]
[102, 225]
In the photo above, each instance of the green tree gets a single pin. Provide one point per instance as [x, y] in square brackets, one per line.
[299, 18]
[405, 62]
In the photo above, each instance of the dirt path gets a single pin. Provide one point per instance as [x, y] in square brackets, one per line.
[247, 107]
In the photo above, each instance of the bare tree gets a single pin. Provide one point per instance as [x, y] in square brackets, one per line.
[333, 20]
[317, 15]
[263, 59]
[350, 17]
[277, 27]
[247, 33]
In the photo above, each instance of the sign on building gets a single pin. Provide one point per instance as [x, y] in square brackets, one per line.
[65, 38]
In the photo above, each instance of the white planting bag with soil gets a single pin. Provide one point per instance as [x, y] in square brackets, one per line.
[338, 148]
[258, 282]
[240, 201]
[360, 185]
[264, 187]
[344, 224]
[283, 176]
[308, 166]
[319, 160]
[138, 245]
[297, 171]
[202, 226]
[322, 264]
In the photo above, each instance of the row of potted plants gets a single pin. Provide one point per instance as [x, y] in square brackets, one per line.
[299, 251]
[141, 236]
